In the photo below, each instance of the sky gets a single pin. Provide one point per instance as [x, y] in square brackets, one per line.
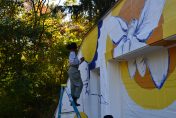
[57, 1]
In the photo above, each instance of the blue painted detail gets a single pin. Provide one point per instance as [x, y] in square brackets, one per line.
[101, 98]
[123, 37]
[92, 64]
[125, 30]
[139, 26]
[143, 40]
[100, 24]
[135, 33]
[164, 76]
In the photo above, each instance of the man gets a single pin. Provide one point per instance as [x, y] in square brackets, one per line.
[74, 73]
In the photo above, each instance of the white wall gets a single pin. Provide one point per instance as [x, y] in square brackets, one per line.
[115, 95]
[94, 96]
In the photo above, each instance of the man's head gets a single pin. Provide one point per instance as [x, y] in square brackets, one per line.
[72, 46]
[108, 116]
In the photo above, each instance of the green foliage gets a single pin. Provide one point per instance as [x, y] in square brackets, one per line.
[92, 10]
[96, 8]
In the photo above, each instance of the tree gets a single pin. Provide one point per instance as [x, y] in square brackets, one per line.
[33, 58]
[92, 9]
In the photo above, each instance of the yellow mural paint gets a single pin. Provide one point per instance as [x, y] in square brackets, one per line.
[89, 45]
[146, 98]
[169, 26]
[109, 49]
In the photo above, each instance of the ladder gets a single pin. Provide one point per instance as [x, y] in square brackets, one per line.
[64, 87]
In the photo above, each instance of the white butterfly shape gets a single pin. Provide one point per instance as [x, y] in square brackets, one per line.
[132, 36]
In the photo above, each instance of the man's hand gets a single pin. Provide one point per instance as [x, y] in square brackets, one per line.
[82, 59]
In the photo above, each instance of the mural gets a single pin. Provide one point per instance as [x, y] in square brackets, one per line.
[129, 37]
[143, 90]
[149, 79]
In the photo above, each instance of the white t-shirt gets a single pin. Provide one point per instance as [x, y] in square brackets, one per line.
[73, 59]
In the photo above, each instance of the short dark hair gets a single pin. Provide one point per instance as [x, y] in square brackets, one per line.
[71, 46]
[108, 116]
